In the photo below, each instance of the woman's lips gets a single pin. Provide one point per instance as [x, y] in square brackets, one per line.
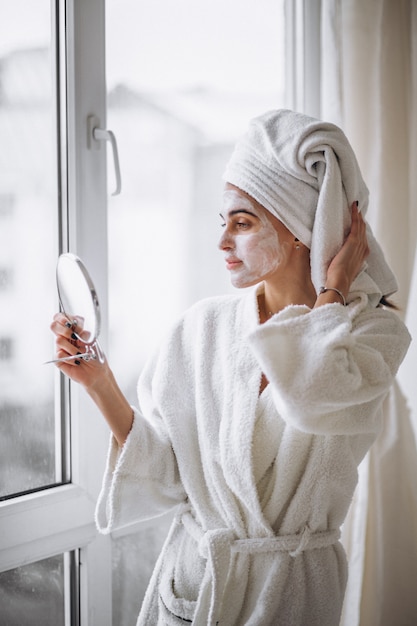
[232, 263]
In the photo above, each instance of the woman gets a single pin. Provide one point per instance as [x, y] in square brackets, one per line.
[257, 409]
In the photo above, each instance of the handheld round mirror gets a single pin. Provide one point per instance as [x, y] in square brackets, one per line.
[78, 297]
[80, 305]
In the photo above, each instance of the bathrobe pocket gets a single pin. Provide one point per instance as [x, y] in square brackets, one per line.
[181, 578]
[173, 609]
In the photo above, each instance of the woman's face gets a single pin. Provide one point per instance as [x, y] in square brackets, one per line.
[255, 242]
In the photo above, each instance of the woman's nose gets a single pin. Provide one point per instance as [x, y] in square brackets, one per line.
[225, 241]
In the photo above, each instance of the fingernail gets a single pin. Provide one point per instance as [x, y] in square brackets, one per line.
[77, 362]
[74, 336]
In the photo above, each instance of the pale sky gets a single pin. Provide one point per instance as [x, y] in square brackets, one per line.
[230, 45]
[23, 24]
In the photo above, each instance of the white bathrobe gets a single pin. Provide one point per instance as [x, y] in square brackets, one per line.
[262, 483]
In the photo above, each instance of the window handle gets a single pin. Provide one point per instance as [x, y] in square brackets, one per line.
[97, 134]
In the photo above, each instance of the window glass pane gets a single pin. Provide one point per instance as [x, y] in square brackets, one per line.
[34, 594]
[183, 80]
[28, 247]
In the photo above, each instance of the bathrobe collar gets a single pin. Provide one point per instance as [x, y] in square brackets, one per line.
[237, 428]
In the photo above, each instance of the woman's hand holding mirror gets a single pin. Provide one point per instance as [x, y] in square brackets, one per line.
[79, 323]
[73, 357]
[78, 354]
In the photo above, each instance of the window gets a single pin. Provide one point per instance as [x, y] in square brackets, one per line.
[178, 97]
[28, 249]
[35, 593]
[50, 51]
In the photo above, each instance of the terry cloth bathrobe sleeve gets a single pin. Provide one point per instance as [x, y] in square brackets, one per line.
[141, 479]
[330, 368]
[267, 480]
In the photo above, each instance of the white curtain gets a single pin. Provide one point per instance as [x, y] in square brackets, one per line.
[369, 88]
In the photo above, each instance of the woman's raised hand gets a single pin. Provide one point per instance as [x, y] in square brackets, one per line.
[349, 261]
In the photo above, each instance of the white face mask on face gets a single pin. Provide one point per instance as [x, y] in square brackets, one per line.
[251, 244]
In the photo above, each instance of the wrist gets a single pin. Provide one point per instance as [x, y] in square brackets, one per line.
[338, 281]
[114, 406]
[103, 386]
[332, 290]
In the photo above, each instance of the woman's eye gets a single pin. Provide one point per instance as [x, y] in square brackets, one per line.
[242, 225]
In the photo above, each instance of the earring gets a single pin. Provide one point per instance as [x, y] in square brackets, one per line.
[297, 244]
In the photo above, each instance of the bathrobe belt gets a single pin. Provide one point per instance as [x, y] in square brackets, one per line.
[217, 546]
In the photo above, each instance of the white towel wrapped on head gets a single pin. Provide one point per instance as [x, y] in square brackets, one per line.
[305, 172]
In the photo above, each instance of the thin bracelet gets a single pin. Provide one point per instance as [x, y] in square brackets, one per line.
[339, 293]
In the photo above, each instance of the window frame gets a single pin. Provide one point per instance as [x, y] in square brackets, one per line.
[60, 519]
[303, 56]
